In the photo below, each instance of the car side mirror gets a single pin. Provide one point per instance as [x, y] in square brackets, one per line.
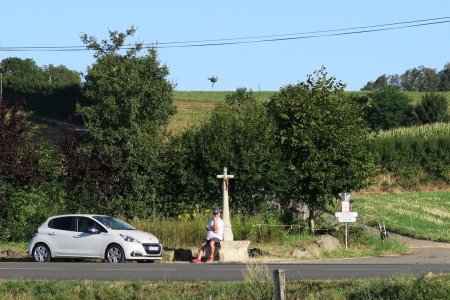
[93, 230]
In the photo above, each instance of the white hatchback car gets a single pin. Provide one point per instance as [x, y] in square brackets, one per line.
[92, 236]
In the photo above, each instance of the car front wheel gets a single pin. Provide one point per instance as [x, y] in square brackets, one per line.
[114, 254]
[41, 253]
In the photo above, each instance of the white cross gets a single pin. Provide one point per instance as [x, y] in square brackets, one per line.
[227, 233]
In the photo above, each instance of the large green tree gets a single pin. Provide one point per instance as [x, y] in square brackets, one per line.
[323, 138]
[129, 101]
[238, 135]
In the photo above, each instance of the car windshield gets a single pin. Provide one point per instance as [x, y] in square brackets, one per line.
[113, 223]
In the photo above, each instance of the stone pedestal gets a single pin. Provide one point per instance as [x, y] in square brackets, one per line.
[231, 251]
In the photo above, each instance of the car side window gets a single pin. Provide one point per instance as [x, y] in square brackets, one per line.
[62, 223]
[84, 224]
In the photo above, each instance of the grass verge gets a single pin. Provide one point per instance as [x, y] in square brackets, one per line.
[425, 287]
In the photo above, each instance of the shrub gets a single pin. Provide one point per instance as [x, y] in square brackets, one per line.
[432, 109]
[387, 109]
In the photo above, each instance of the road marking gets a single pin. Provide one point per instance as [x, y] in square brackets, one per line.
[364, 269]
[56, 269]
[136, 270]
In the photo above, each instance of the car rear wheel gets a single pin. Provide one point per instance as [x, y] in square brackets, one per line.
[114, 254]
[41, 253]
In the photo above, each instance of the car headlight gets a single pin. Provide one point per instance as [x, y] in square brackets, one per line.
[130, 239]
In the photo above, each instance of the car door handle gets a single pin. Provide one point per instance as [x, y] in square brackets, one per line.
[76, 236]
[51, 233]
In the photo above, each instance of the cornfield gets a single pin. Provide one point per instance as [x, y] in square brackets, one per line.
[422, 131]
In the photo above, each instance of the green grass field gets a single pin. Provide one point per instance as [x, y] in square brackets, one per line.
[423, 215]
[193, 106]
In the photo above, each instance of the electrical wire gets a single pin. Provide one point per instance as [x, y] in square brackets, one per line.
[253, 39]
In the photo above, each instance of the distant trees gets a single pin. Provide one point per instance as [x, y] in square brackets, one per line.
[433, 108]
[49, 91]
[420, 79]
[390, 108]
[444, 78]
[387, 108]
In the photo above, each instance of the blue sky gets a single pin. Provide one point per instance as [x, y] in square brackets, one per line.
[354, 59]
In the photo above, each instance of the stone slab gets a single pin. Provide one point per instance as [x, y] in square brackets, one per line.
[234, 251]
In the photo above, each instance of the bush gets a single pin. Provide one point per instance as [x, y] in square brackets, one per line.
[432, 109]
[416, 155]
[26, 208]
[387, 109]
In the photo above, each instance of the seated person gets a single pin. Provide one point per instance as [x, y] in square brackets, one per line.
[214, 233]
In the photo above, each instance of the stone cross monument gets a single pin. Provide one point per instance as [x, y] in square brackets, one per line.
[227, 233]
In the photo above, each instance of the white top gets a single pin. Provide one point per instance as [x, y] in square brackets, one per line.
[211, 234]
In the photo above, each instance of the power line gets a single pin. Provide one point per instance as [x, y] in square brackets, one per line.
[307, 32]
[253, 39]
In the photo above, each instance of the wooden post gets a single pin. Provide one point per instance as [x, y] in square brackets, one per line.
[279, 281]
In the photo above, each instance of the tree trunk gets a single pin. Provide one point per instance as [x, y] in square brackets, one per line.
[312, 227]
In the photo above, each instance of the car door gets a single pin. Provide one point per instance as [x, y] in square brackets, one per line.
[85, 243]
[61, 231]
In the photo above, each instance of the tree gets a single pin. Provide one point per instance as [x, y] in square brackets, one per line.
[387, 108]
[60, 76]
[432, 108]
[379, 84]
[129, 103]
[444, 78]
[30, 188]
[323, 138]
[213, 80]
[429, 81]
[240, 97]
[22, 79]
[238, 135]
[17, 161]
[49, 91]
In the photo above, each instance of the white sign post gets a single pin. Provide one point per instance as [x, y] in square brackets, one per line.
[346, 216]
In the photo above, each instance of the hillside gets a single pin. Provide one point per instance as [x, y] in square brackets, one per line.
[193, 106]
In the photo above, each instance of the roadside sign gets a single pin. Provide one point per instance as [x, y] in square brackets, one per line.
[345, 206]
[346, 217]
[349, 214]
[345, 197]
[346, 220]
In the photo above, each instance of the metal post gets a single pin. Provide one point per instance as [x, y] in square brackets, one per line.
[346, 247]
[279, 280]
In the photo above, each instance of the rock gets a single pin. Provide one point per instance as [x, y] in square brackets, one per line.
[314, 249]
[327, 243]
[301, 253]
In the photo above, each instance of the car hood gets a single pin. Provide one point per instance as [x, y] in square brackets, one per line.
[142, 236]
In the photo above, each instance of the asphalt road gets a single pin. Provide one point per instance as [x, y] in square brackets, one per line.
[216, 271]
